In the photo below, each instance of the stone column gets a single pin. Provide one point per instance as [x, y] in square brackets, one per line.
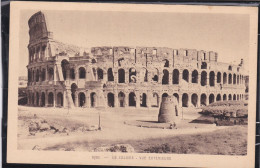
[46, 98]
[40, 99]
[199, 78]
[105, 76]
[65, 98]
[180, 100]
[180, 77]
[54, 99]
[115, 77]
[126, 99]
[76, 74]
[215, 80]
[76, 99]
[170, 78]
[116, 102]
[160, 77]
[55, 73]
[46, 74]
[198, 101]
[88, 99]
[137, 94]
[148, 96]
[127, 77]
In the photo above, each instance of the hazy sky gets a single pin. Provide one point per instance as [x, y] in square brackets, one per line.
[227, 34]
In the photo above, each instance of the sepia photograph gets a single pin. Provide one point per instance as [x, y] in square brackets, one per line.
[136, 83]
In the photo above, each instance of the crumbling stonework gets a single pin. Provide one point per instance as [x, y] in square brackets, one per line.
[64, 75]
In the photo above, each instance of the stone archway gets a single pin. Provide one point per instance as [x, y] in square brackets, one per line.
[82, 99]
[143, 100]
[203, 100]
[50, 99]
[110, 100]
[93, 99]
[194, 100]
[211, 98]
[185, 100]
[121, 98]
[121, 76]
[132, 99]
[59, 99]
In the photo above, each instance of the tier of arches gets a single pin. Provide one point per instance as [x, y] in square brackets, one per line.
[131, 99]
[132, 75]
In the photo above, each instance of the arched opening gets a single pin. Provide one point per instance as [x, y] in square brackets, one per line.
[224, 78]
[43, 99]
[110, 76]
[229, 97]
[195, 76]
[82, 73]
[194, 100]
[144, 75]
[203, 78]
[234, 79]
[218, 97]
[72, 73]
[94, 73]
[93, 99]
[59, 99]
[50, 99]
[121, 76]
[175, 76]
[203, 100]
[166, 63]
[110, 100]
[155, 100]
[100, 74]
[165, 79]
[230, 68]
[218, 77]
[37, 75]
[37, 99]
[43, 74]
[237, 79]
[230, 79]
[132, 75]
[65, 67]
[82, 99]
[224, 97]
[155, 75]
[211, 98]
[143, 100]
[203, 65]
[165, 95]
[132, 99]
[185, 75]
[234, 97]
[185, 100]
[177, 96]
[212, 78]
[237, 97]
[240, 97]
[73, 87]
[121, 98]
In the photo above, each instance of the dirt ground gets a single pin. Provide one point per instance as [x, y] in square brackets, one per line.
[114, 127]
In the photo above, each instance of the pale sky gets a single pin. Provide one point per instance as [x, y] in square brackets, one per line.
[226, 34]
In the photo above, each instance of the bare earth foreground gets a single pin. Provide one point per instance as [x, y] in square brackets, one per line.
[136, 128]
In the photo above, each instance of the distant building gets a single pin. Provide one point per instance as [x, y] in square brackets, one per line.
[68, 76]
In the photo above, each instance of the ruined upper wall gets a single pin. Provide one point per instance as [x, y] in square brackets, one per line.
[38, 27]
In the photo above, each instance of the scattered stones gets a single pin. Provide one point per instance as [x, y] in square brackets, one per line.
[92, 128]
[36, 147]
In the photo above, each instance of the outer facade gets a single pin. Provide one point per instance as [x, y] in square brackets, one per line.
[63, 75]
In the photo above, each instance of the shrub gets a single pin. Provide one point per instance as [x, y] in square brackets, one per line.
[228, 103]
[226, 108]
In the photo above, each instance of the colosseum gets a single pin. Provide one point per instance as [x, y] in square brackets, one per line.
[62, 75]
